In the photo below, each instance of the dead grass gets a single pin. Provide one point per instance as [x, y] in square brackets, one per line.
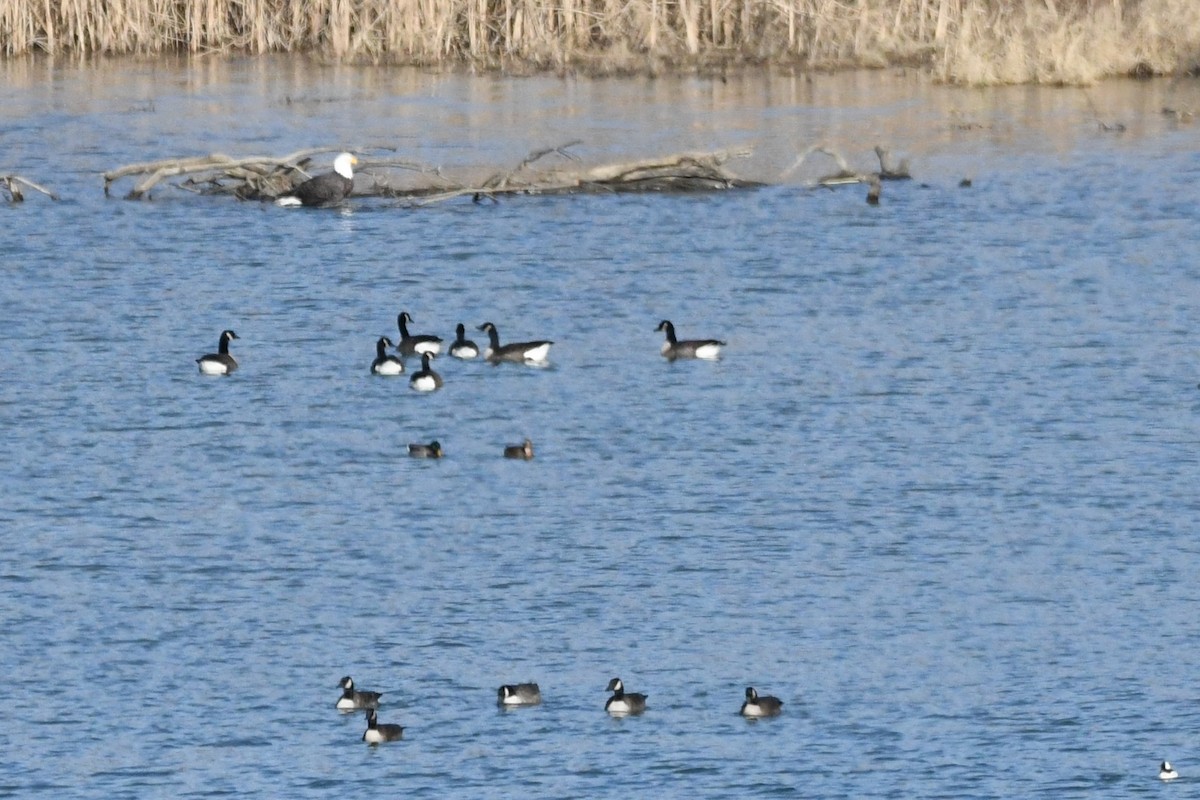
[1037, 41]
[961, 41]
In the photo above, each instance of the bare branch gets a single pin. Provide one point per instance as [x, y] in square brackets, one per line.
[13, 184]
[268, 177]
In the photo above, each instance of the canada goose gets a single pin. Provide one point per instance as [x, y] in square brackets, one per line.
[324, 190]
[220, 362]
[463, 347]
[520, 694]
[431, 450]
[415, 345]
[353, 700]
[376, 733]
[622, 702]
[523, 450]
[514, 351]
[426, 380]
[756, 706]
[1166, 772]
[385, 363]
[672, 348]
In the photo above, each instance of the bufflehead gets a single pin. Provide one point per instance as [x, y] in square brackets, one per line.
[415, 345]
[1166, 772]
[384, 363]
[376, 733]
[353, 700]
[519, 694]
[622, 702]
[672, 348]
[515, 351]
[523, 450]
[756, 706]
[220, 362]
[463, 347]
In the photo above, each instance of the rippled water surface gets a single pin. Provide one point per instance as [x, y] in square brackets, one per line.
[939, 495]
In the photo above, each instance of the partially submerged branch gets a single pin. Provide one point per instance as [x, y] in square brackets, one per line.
[13, 183]
[501, 180]
[213, 166]
[888, 171]
[267, 178]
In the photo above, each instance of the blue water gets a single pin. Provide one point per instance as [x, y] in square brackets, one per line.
[939, 495]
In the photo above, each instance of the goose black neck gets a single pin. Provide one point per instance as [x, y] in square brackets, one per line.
[403, 327]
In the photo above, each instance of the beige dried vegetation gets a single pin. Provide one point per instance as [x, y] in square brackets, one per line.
[962, 41]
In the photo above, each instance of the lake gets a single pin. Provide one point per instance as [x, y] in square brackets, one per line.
[938, 494]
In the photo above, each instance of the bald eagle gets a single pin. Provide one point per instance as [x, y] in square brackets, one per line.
[327, 189]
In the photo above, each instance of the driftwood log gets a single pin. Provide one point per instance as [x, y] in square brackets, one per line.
[266, 178]
[888, 171]
[262, 171]
[13, 183]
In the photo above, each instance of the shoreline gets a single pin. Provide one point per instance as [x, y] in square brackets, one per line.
[990, 43]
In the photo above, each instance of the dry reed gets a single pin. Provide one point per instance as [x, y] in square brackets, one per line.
[963, 41]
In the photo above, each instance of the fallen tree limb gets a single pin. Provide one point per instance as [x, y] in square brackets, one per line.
[887, 170]
[213, 163]
[499, 181]
[267, 178]
[13, 183]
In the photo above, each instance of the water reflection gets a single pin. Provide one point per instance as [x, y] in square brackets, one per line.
[181, 105]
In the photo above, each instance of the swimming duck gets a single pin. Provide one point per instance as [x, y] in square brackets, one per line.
[220, 362]
[523, 450]
[415, 345]
[431, 450]
[623, 702]
[672, 348]
[515, 351]
[353, 700]
[1166, 772]
[520, 694]
[463, 347]
[376, 733]
[384, 363]
[756, 706]
[426, 380]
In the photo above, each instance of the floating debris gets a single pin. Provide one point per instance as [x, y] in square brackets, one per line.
[267, 178]
[888, 171]
[13, 183]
